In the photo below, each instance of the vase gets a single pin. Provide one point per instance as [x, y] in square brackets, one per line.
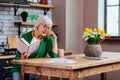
[93, 50]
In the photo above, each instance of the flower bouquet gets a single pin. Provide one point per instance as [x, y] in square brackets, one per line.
[94, 38]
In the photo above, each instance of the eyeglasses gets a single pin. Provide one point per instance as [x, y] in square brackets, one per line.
[45, 27]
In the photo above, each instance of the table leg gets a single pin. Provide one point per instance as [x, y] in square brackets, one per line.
[103, 76]
[22, 73]
[73, 75]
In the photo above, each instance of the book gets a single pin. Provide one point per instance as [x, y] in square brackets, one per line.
[25, 47]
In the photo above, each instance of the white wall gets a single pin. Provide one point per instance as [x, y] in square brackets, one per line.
[73, 25]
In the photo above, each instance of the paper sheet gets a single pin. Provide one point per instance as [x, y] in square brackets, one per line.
[61, 60]
[97, 58]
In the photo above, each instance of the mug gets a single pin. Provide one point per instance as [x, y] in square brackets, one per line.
[60, 53]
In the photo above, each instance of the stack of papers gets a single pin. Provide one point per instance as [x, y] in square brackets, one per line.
[60, 60]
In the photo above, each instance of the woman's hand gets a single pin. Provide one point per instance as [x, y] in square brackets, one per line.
[55, 46]
[51, 33]
[24, 56]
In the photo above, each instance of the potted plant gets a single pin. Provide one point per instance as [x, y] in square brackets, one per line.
[24, 16]
[94, 38]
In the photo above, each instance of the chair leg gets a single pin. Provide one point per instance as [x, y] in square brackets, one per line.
[26, 76]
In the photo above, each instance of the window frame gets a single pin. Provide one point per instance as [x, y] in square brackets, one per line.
[105, 19]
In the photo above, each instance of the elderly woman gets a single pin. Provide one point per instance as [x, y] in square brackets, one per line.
[48, 43]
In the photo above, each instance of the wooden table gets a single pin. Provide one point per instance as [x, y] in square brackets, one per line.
[82, 68]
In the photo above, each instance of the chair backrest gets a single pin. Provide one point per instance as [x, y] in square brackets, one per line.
[12, 41]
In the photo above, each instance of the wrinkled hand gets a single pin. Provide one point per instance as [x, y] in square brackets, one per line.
[24, 56]
[51, 33]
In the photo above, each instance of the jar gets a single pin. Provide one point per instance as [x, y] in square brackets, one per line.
[42, 1]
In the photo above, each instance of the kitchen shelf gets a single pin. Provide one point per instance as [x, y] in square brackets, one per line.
[37, 5]
[30, 24]
[7, 56]
[11, 4]
[25, 23]
[43, 6]
[34, 5]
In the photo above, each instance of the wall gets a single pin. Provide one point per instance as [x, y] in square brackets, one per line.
[70, 26]
[60, 17]
[111, 45]
[74, 25]
[7, 19]
[79, 14]
[90, 12]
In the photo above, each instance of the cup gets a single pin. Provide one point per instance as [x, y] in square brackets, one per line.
[60, 53]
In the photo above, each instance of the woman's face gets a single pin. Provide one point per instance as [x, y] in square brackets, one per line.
[44, 28]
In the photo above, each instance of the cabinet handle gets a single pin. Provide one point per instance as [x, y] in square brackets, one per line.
[9, 67]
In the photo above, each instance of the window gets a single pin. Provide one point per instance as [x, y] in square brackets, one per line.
[112, 17]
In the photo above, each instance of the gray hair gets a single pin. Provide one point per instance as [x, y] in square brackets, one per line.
[43, 20]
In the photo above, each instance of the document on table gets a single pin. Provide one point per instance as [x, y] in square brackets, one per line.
[61, 60]
[97, 58]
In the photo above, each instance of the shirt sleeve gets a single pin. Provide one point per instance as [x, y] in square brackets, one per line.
[33, 55]
[49, 48]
